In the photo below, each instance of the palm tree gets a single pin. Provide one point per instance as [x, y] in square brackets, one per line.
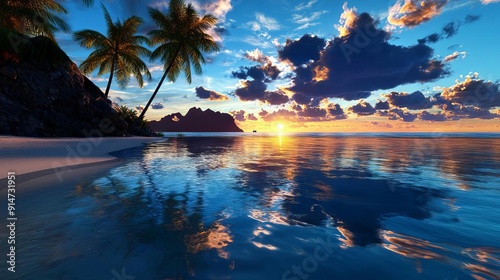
[182, 37]
[118, 53]
[33, 17]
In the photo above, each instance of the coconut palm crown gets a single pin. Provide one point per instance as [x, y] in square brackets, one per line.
[182, 38]
[33, 17]
[118, 53]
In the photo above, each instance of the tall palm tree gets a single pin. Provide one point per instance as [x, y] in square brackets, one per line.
[33, 17]
[182, 37]
[118, 53]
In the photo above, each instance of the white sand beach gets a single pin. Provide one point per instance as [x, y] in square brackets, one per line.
[25, 155]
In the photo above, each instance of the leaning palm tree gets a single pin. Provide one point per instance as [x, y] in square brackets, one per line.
[118, 53]
[182, 37]
[33, 17]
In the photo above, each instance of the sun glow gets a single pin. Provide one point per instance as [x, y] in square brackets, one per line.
[280, 127]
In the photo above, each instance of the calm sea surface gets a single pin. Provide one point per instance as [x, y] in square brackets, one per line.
[272, 207]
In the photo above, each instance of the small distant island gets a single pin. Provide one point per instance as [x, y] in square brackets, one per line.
[196, 120]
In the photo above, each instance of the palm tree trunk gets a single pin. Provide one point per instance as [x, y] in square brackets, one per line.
[159, 85]
[110, 77]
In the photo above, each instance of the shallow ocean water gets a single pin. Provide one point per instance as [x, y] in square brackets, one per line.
[273, 207]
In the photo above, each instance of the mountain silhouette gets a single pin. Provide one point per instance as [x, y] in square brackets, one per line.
[196, 120]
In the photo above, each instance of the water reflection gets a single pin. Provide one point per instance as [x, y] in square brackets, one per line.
[230, 207]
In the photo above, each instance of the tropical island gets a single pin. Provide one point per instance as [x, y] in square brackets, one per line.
[376, 155]
[196, 120]
[46, 94]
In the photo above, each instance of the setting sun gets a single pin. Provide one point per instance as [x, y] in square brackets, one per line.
[280, 127]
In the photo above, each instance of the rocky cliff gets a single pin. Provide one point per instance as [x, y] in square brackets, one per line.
[196, 120]
[42, 93]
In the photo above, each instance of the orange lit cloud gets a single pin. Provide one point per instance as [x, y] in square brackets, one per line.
[412, 12]
[347, 20]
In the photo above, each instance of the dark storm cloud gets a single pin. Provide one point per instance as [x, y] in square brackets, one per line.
[397, 114]
[281, 114]
[303, 50]
[265, 72]
[472, 18]
[276, 97]
[313, 112]
[336, 112]
[472, 92]
[426, 116]
[251, 90]
[257, 90]
[358, 63]
[412, 101]
[363, 108]
[449, 30]
[382, 105]
[157, 106]
[433, 38]
[253, 72]
[211, 95]
[469, 112]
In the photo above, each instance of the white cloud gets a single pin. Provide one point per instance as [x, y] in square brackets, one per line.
[306, 22]
[454, 56]
[303, 6]
[156, 68]
[264, 22]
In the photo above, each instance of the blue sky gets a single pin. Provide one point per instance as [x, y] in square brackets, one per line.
[256, 34]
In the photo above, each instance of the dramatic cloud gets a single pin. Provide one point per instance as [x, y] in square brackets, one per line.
[157, 106]
[313, 112]
[257, 90]
[363, 108]
[280, 115]
[457, 112]
[352, 66]
[211, 95]
[454, 56]
[336, 112]
[398, 114]
[301, 51]
[426, 116]
[473, 92]
[414, 12]
[411, 101]
[382, 105]
[347, 20]
[265, 73]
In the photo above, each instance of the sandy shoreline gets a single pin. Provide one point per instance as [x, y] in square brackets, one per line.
[25, 155]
